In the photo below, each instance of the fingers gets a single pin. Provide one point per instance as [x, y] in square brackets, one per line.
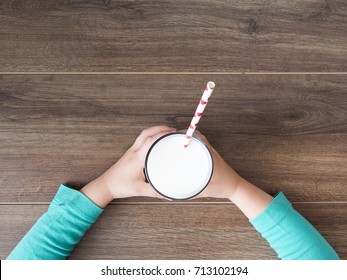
[155, 130]
[196, 133]
[201, 136]
[151, 131]
[151, 139]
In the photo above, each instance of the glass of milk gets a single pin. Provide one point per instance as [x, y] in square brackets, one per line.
[177, 172]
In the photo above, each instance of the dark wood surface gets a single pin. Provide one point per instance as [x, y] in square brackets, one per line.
[79, 80]
[178, 231]
[175, 35]
[283, 133]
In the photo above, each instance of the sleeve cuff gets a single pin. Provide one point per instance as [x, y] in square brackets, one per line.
[81, 204]
[276, 211]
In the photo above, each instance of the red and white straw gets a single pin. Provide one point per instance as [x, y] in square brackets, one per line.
[198, 113]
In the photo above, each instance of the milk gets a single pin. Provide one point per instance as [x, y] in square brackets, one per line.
[178, 172]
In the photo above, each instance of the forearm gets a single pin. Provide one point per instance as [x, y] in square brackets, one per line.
[56, 233]
[287, 232]
[98, 192]
[249, 199]
[290, 234]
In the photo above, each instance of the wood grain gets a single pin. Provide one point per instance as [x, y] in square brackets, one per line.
[242, 35]
[283, 133]
[174, 231]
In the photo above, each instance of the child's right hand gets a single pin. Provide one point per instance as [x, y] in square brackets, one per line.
[226, 183]
[224, 180]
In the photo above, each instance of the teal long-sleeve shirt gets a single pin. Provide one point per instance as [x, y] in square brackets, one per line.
[71, 214]
[56, 233]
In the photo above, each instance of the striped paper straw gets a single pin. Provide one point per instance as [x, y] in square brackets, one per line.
[198, 113]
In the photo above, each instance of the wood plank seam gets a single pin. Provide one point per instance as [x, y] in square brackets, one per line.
[173, 73]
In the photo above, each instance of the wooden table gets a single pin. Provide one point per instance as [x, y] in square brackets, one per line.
[79, 81]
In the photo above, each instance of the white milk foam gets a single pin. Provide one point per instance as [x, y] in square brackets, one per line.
[179, 172]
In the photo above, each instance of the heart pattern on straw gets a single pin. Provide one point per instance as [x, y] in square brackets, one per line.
[199, 111]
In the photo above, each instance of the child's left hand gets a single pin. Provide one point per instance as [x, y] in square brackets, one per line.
[126, 178]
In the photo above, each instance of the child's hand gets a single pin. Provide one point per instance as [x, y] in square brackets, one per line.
[126, 178]
[224, 180]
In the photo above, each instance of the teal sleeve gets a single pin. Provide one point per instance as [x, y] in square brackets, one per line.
[290, 234]
[58, 230]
